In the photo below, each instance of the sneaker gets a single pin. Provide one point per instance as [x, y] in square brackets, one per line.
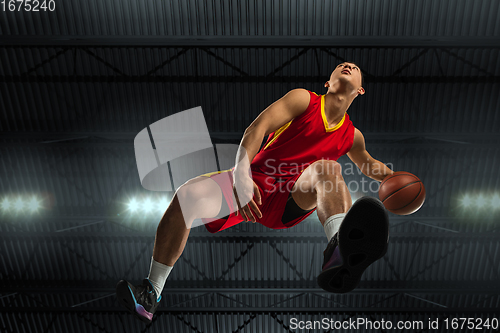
[140, 300]
[362, 239]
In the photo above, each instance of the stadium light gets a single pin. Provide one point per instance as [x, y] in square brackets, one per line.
[466, 201]
[495, 201]
[19, 204]
[147, 205]
[5, 204]
[133, 205]
[480, 201]
[33, 204]
[162, 204]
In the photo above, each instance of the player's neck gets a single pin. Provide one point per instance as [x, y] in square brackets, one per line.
[336, 104]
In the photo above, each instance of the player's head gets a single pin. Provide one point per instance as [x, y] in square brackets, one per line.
[349, 75]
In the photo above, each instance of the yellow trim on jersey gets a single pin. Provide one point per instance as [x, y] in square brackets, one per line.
[278, 133]
[209, 174]
[315, 93]
[329, 129]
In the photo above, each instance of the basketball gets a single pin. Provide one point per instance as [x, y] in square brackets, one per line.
[402, 193]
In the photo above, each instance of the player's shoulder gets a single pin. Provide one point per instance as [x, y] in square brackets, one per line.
[358, 135]
[298, 99]
[358, 140]
[299, 93]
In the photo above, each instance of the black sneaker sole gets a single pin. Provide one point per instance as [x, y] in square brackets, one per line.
[363, 239]
[125, 297]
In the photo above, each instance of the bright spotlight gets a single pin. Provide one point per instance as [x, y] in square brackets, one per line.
[495, 201]
[5, 204]
[147, 205]
[19, 204]
[466, 201]
[133, 205]
[33, 204]
[162, 204]
[481, 201]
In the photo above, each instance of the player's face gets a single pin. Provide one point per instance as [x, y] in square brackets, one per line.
[347, 72]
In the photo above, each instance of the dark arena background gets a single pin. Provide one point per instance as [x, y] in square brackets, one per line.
[80, 79]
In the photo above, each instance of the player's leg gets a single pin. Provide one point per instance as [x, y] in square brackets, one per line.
[200, 197]
[322, 186]
[357, 234]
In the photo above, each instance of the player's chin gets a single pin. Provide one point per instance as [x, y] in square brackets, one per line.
[349, 81]
[344, 78]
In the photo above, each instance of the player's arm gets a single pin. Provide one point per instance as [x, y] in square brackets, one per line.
[364, 161]
[293, 104]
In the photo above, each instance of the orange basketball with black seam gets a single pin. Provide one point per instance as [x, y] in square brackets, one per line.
[402, 193]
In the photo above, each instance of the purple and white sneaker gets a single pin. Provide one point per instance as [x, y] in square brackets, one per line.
[140, 300]
[361, 240]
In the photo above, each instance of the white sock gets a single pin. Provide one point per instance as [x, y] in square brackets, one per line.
[332, 224]
[158, 274]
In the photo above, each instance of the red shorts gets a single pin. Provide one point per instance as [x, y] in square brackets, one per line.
[274, 193]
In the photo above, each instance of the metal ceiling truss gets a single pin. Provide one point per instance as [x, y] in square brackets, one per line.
[236, 79]
[242, 76]
[492, 234]
[257, 310]
[280, 314]
[117, 143]
[252, 41]
[204, 288]
[205, 320]
[121, 147]
[145, 242]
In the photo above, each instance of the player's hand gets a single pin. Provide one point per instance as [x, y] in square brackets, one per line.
[247, 196]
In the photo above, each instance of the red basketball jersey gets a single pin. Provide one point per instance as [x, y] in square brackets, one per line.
[302, 141]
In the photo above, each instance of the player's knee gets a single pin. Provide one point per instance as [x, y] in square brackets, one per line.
[191, 191]
[199, 197]
[187, 200]
[327, 169]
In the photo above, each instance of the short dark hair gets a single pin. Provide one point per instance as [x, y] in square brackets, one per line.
[362, 76]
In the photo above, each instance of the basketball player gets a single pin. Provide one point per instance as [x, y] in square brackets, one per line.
[293, 174]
